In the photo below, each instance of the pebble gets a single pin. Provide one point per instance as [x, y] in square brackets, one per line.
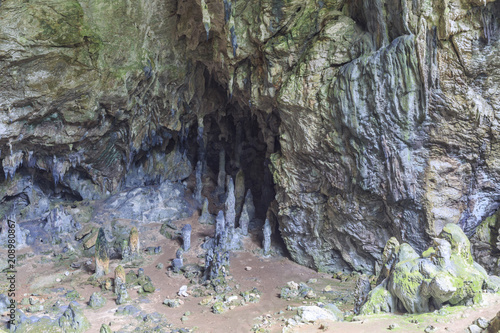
[474, 329]
[248, 268]
[392, 326]
[66, 273]
[183, 291]
[429, 329]
[482, 322]
[58, 280]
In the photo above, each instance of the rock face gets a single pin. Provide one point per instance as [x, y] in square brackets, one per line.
[373, 119]
[445, 275]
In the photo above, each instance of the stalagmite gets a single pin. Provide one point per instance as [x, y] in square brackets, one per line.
[221, 179]
[206, 217]
[239, 192]
[199, 183]
[101, 255]
[186, 237]
[230, 213]
[134, 241]
[267, 237]
[120, 277]
[247, 213]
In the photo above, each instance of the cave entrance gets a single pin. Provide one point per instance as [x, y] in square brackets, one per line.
[246, 146]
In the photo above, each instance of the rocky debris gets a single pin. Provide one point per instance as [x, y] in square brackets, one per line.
[151, 250]
[127, 310]
[173, 303]
[393, 326]
[101, 255]
[430, 329]
[446, 274]
[295, 290]
[97, 300]
[71, 320]
[224, 302]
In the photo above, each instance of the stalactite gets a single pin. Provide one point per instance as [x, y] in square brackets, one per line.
[11, 163]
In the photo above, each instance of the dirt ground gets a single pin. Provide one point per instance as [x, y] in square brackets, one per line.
[39, 275]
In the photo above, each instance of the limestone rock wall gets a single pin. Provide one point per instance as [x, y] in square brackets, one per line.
[380, 117]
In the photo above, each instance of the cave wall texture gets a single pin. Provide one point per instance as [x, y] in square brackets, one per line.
[380, 118]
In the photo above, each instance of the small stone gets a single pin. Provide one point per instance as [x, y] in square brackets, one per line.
[429, 329]
[292, 285]
[474, 329]
[248, 268]
[159, 266]
[172, 303]
[183, 291]
[328, 288]
[482, 322]
[66, 273]
[392, 326]
[58, 280]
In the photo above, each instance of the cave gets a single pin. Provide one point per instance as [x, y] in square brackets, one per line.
[273, 166]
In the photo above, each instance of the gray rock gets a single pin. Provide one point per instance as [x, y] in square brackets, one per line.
[311, 314]
[146, 204]
[97, 300]
[474, 329]
[482, 322]
[73, 320]
[172, 303]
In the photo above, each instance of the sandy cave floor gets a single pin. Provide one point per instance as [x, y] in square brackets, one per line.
[38, 276]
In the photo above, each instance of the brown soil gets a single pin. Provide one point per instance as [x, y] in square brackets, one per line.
[267, 274]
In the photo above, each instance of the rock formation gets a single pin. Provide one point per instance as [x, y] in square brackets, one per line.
[101, 255]
[445, 274]
[134, 241]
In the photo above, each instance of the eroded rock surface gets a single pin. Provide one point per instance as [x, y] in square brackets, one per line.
[446, 274]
